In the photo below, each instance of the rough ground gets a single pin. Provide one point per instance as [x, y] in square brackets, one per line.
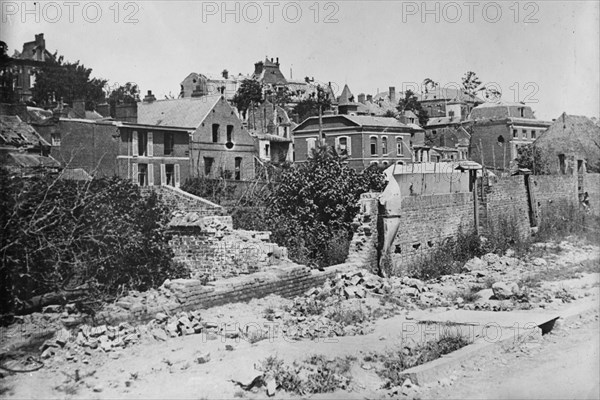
[563, 364]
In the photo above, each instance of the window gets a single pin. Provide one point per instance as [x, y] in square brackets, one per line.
[310, 146]
[267, 148]
[143, 174]
[373, 145]
[169, 175]
[238, 169]
[533, 134]
[399, 146]
[434, 131]
[208, 164]
[230, 135]
[142, 144]
[169, 143]
[56, 139]
[384, 146]
[515, 133]
[343, 146]
[562, 164]
[215, 133]
[521, 112]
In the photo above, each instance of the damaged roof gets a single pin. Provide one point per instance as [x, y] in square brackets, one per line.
[28, 160]
[15, 132]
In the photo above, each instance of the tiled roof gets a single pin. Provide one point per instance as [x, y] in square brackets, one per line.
[75, 174]
[15, 132]
[188, 112]
[573, 128]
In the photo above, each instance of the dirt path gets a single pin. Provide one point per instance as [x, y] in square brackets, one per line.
[564, 365]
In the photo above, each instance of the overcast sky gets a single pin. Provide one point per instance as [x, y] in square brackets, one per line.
[546, 53]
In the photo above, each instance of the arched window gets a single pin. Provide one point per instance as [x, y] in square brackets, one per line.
[343, 145]
[399, 146]
[384, 146]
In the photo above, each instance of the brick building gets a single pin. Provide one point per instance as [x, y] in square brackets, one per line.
[271, 127]
[365, 140]
[219, 146]
[499, 129]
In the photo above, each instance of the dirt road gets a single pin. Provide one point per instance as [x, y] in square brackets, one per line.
[564, 365]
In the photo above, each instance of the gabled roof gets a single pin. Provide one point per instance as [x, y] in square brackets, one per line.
[14, 132]
[187, 112]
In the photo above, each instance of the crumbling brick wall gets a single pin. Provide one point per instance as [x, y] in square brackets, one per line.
[423, 224]
[212, 249]
[506, 200]
[180, 200]
[363, 247]
[191, 294]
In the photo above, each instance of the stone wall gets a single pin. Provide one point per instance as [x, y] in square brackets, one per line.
[212, 249]
[423, 224]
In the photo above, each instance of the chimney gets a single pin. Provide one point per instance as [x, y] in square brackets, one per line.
[40, 46]
[277, 61]
[126, 112]
[149, 98]
[361, 98]
[79, 108]
[393, 94]
[370, 98]
[103, 109]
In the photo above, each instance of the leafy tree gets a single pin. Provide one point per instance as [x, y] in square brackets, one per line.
[67, 81]
[410, 102]
[390, 114]
[532, 158]
[125, 94]
[280, 97]
[250, 92]
[429, 84]
[309, 107]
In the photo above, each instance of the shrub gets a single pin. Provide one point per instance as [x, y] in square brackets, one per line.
[59, 235]
[565, 218]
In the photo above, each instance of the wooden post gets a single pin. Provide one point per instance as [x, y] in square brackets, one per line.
[473, 174]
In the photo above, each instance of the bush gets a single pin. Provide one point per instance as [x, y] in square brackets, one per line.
[562, 219]
[61, 234]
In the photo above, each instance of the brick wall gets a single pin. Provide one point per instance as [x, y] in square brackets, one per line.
[190, 294]
[363, 247]
[212, 249]
[591, 185]
[180, 200]
[555, 189]
[423, 224]
[506, 198]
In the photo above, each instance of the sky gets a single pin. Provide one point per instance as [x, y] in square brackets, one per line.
[545, 53]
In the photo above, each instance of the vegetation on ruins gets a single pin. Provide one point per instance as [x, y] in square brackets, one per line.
[250, 92]
[533, 159]
[92, 239]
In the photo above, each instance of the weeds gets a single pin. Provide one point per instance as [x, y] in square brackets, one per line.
[316, 374]
[347, 316]
[395, 362]
[566, 218]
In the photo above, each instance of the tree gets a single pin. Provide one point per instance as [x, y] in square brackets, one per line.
[532, 158]
[280, 97]
[315, 203]
[429, 84]
[250, 92]
[125, 94]
[471, 82]
[309, 107]
[390, 114]
[410, 102]
[67, 81]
